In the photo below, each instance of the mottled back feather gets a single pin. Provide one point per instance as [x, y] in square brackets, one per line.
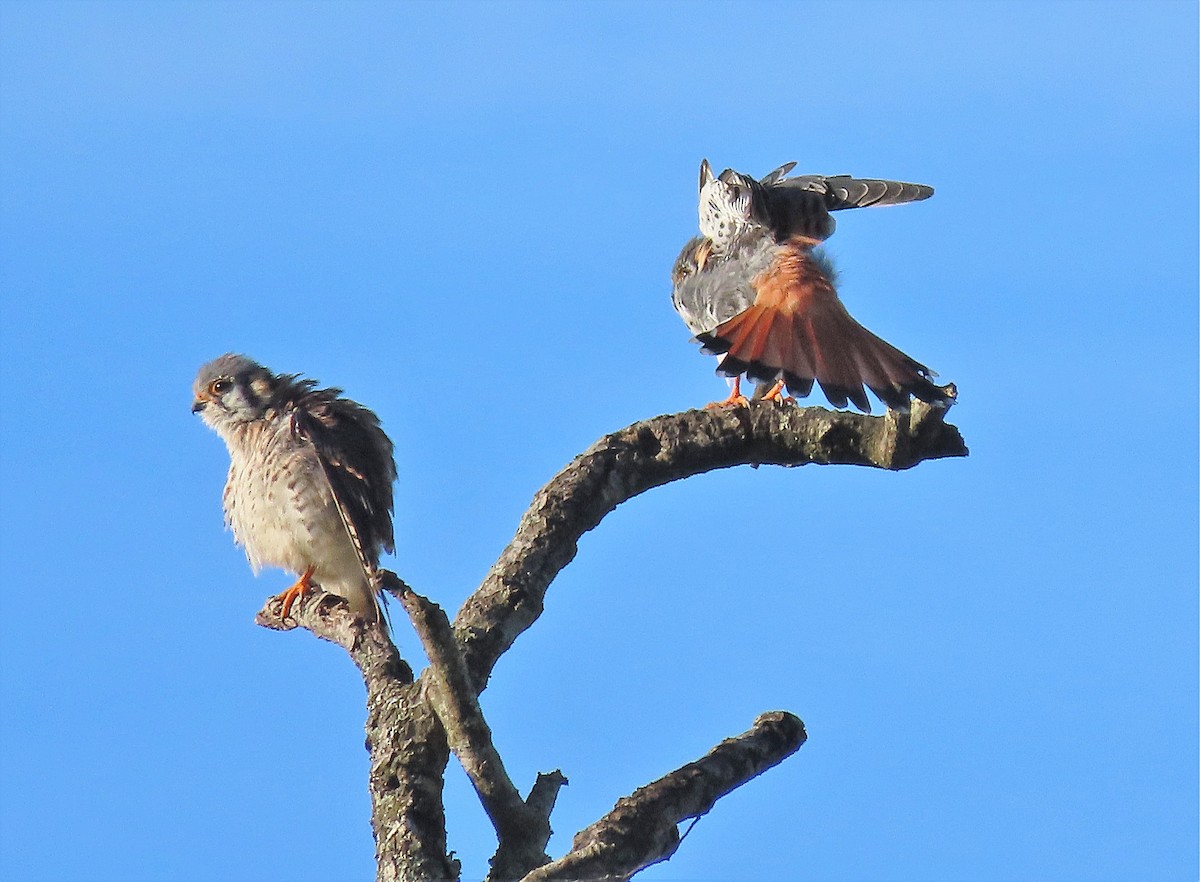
[349, 442]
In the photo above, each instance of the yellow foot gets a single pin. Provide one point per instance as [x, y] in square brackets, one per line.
[736, 398]
[775, 393]
[296, 592]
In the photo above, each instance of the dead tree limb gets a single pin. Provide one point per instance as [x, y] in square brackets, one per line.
[412, 726]
[405, 740]
[643, 828]
[654, 452]
[522, 829]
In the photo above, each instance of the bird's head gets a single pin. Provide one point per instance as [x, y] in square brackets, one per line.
[231, 390]
[726, 204]
[691, 259]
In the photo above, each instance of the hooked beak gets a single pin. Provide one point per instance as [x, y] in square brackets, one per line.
[706, 175]
[198, 404]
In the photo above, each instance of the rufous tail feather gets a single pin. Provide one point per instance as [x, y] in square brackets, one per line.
[799, 331]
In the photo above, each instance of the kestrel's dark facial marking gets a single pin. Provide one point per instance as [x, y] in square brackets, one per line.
[310, 480]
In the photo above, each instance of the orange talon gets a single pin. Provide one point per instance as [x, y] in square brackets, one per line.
[736, 398]
[297, 591]
[775, 393]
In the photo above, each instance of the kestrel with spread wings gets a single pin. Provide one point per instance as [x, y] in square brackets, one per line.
[310, 478]
[754, 289]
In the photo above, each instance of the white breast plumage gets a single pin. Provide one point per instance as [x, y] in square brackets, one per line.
[278, 502]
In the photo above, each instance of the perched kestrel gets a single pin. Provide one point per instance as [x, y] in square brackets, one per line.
[754, 289]
[310, 478]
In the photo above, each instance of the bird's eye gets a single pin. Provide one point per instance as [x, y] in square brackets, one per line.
[221, 386]
[735, 192]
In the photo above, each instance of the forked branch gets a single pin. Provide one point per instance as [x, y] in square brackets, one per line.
[412, 726]
[522, 826]
[643, 828]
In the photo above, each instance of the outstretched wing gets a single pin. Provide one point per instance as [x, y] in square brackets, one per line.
[843, 191]
[800, 206]
[356, 457]
[773, 177]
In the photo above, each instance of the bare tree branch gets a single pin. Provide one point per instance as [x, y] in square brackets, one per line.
[412, 726]
[545, 792]
[643, 828]
[454, 701]
[654, 452]
[522, 830]
[405, 740]
[328, 617]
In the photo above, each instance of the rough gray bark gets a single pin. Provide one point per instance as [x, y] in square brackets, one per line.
[667, 448]
[405, 740]
[643, 828]
[412, 726]
[522, 826]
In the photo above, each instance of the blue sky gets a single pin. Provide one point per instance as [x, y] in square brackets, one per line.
[465, 215]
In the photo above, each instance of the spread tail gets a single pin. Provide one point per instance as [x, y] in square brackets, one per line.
[798, 330]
